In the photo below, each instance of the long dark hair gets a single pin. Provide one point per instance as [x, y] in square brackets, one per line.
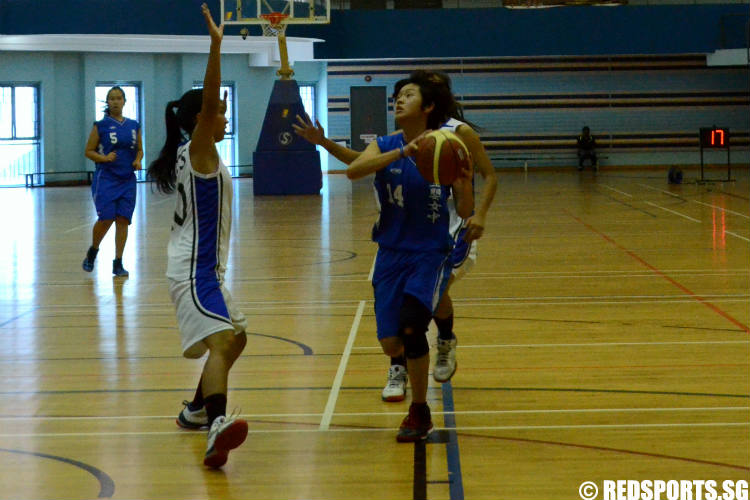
[187, 108]
[435, 87]
[106, 99]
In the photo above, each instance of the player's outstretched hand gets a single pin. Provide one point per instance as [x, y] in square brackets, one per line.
[216, 33]
[313, 134]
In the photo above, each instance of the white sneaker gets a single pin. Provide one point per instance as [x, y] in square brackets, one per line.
[445, 364]
[197, 419]
[395, 389]
[226, 434]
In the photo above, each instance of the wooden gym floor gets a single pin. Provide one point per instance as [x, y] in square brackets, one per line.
[603, 334]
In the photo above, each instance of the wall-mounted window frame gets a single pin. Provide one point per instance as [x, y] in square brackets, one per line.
[20, 132]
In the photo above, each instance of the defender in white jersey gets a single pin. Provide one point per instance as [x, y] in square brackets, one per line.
[465, 232]
[197, 254]
[198, 249]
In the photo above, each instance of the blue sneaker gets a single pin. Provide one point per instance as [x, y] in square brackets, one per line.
[88, 262]
[117, 268]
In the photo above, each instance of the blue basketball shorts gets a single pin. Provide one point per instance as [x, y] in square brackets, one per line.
[423, 275]
[113, 197]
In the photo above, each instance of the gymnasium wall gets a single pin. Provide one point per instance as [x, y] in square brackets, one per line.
[636, 75]
[641, 109]
[67, 82]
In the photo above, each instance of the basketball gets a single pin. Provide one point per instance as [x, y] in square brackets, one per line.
[441, 155]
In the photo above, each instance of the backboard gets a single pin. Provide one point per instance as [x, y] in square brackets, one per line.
[244, 12]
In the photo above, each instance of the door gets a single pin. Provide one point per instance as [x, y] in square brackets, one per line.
[368, 115]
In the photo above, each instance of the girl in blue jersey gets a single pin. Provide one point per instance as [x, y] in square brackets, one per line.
[198, 250]
[465, 232]
[115, 145]
[413, 263]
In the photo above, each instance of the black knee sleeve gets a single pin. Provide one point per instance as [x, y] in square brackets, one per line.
[415, 318]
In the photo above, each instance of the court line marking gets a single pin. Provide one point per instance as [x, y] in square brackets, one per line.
[345, 303]
[737, 235]
[392, 429]
[686, 290]
[583, 344]
[478, 275]
[80, 226]
[672, 212]
[325, 422]
[398, 413]
[452, 450]
[721, 208]
[616, 190]
[683, 215]
[106, 484]
[695, 201]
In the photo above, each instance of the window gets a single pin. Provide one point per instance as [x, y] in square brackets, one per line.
[131, 110]
[307, 93]
[19, 133]
[228, 147]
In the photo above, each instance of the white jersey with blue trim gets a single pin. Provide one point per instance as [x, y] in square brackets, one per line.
[456, 222]
[199, 243]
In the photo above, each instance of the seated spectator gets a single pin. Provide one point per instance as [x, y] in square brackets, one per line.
[587, 149]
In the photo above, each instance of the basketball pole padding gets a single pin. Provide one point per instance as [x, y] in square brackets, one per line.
[285, 163]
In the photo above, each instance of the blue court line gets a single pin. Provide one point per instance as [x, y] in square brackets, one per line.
[451, 447]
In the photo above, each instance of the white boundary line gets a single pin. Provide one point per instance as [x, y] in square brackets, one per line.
[398, 413]
[325, 422]
[617, 190]
[672, 211]
[722, 209]
[695, 201]
[737, 236]
[592, 344]
[390, 429]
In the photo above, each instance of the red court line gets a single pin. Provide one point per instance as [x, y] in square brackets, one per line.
[682, 287]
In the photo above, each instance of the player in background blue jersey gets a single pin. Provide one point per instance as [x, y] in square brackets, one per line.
[114, 144]
[413, 262]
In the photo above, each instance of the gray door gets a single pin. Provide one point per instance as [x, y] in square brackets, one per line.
[368, 114]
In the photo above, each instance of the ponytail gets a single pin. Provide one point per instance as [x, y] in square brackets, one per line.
[162, 170]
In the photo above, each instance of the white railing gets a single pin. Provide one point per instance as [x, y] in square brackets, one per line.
[18, 158]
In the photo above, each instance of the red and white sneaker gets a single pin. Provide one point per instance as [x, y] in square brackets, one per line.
[417, 425]
[226, 434]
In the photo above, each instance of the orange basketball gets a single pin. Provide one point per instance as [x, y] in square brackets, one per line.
[441, 155]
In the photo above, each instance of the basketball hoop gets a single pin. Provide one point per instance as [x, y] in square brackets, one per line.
[275, 23]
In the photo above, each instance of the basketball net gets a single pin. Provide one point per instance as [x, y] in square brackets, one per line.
[275, 25]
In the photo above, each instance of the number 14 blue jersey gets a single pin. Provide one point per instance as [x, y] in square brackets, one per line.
[413, 213]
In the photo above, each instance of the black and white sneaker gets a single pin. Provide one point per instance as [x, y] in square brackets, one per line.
[194, 420]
